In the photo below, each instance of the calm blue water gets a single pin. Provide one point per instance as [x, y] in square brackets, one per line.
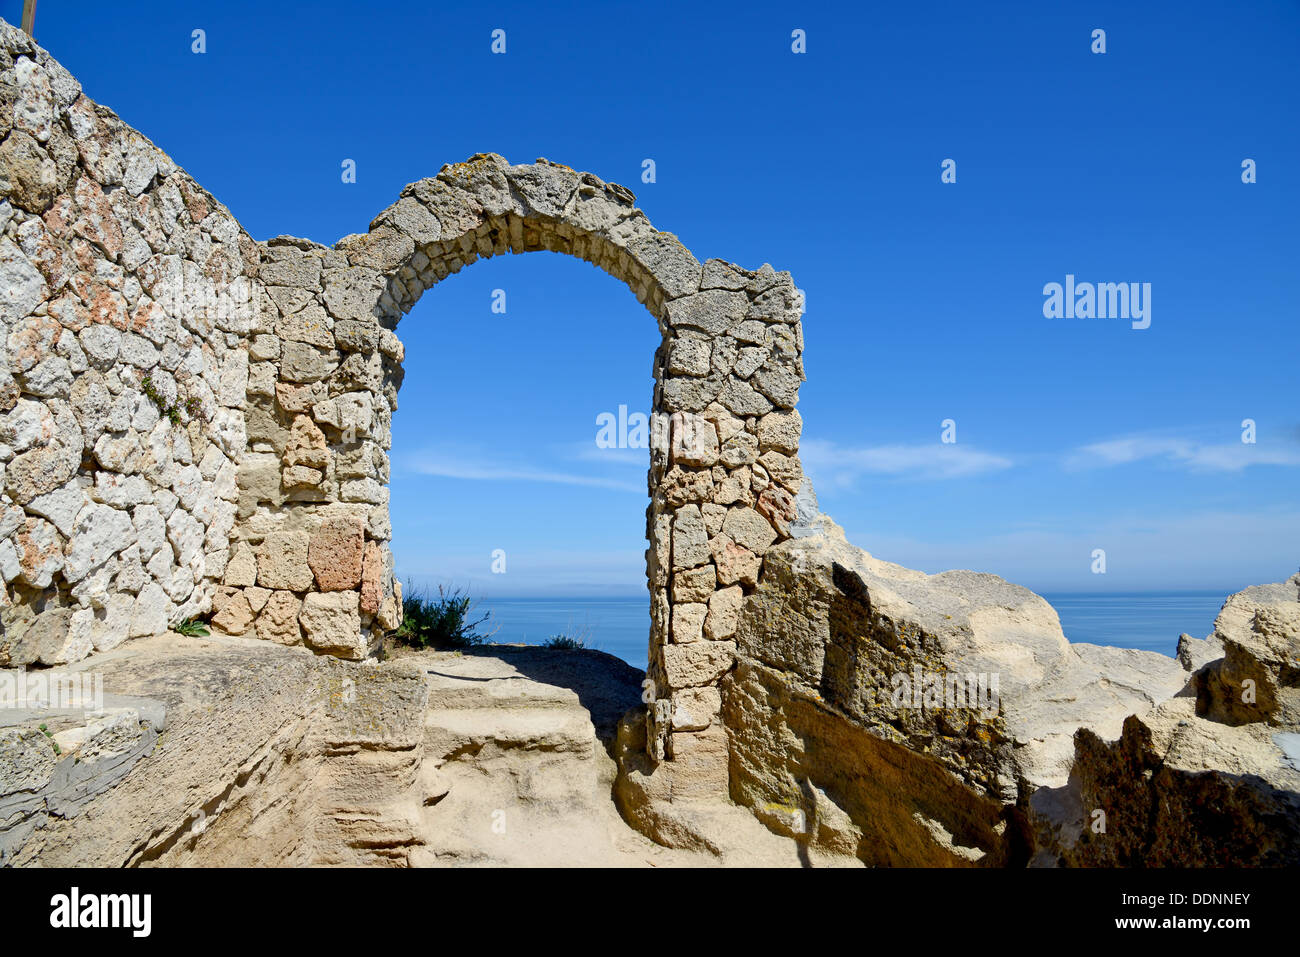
[620, 626]
[1151, 621]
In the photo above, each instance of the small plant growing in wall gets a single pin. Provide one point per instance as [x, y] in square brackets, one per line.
[172, 413]
[54, 744]
[191, 628]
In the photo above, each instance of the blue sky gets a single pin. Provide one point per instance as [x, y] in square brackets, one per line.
[925, 299]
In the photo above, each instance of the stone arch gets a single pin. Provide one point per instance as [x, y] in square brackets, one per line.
[313, 526]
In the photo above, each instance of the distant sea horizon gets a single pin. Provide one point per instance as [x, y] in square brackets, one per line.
[620, 624]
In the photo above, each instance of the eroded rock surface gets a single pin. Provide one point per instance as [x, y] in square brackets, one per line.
[1208, 778]
[237, 753]
[227, 751]
[831, 742]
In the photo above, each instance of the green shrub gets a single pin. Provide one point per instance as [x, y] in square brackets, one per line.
[564, 642]
[575, 641]
[439, 622]
[191, 628]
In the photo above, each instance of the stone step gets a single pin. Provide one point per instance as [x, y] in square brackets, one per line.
[514, 773]
[449, 731]
[517, 808]
[513, 786]
[455, 691]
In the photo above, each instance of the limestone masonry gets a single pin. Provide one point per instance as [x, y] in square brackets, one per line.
[196, 422]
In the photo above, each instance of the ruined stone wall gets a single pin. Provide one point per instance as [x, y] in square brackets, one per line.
[323, 383]
[193, 422]
[124, 291]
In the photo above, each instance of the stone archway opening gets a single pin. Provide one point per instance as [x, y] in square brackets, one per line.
[724, 468]
[520, 451]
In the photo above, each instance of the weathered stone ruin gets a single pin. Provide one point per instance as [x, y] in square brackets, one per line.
[197, 424]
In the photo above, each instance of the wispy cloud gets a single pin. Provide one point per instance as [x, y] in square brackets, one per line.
[1222, 457]
[836, 465]
[458, 467]
[590, 452]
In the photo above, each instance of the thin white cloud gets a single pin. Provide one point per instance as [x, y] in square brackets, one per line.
[590, 452]
[834, 465]
[1225, 457]
[461, 468]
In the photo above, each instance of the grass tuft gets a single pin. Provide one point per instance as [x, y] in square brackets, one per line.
[442, 621]
[569, 641]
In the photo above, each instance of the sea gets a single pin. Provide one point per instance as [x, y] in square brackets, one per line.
[1151, 621]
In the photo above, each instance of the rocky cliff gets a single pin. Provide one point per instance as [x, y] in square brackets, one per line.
[907, 718]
